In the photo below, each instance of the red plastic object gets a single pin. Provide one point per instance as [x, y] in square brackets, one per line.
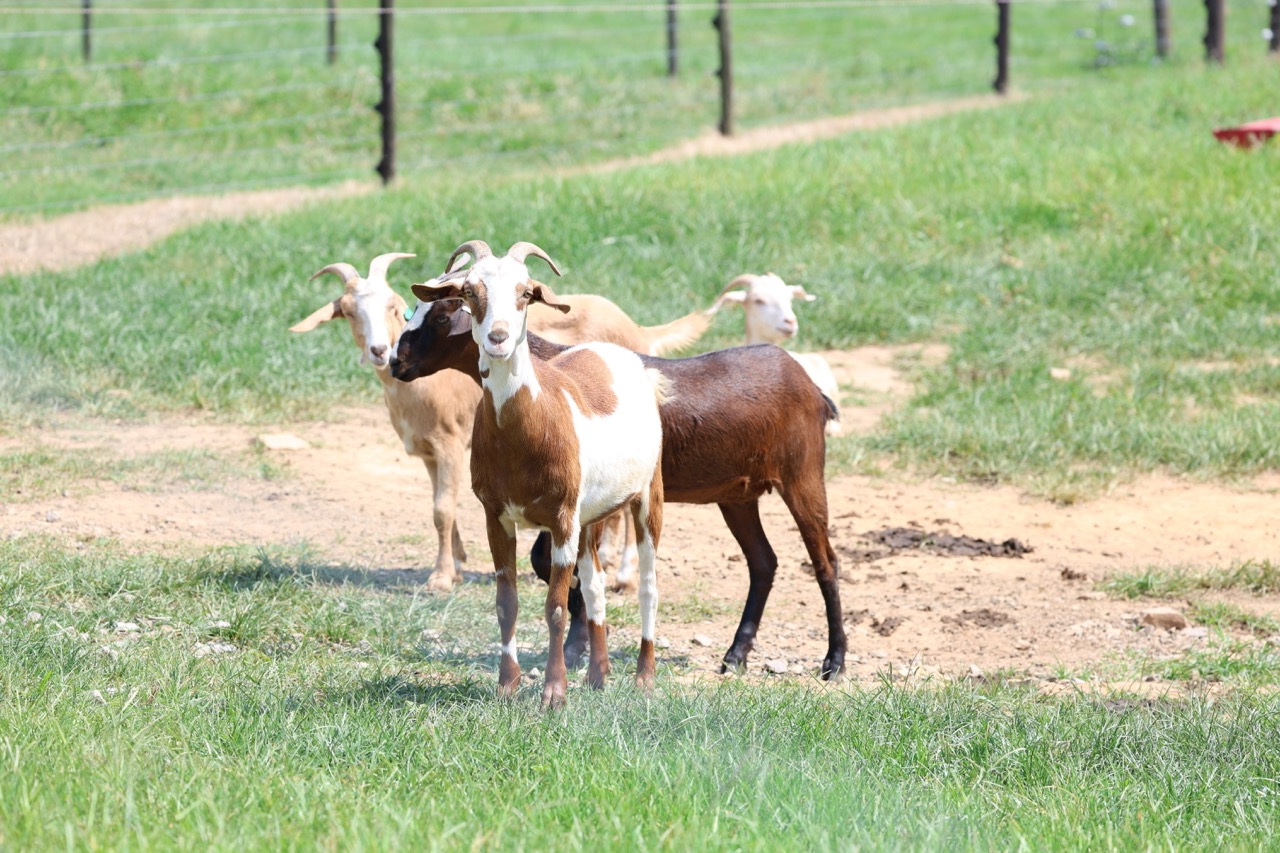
[1251, 134]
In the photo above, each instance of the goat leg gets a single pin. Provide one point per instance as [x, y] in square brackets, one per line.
[565, 547]
[591, 583]
[575, 644]
[647, 515]
[809, 509]
[502, 544]
[762, 564]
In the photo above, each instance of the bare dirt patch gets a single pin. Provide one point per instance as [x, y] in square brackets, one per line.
[353, 497]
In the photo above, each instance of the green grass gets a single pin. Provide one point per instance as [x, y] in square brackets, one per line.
[1261, 577]
[1118, 239]
[212, 100]
[356, 712]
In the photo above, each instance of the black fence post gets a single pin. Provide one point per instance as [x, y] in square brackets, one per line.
[1161, 11]
[331, 49]
[721, 23]
[387, 106]
[1274, 45]
[86, 25]
[1002, 47]
[673, 51]
[1213, 32]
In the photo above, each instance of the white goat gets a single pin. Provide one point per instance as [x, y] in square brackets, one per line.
[558, 445]
[432, 415]
[770, 319]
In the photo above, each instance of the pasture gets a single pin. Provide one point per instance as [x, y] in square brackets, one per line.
[1054, 321]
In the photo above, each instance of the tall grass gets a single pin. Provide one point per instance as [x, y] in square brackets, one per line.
[231, 700]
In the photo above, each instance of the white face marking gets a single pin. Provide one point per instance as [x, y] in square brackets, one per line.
[500, 277]
[373, 303]
[419, 315]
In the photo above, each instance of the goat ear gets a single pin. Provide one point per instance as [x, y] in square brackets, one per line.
[541, 293]
[330, 311]
[797, 292]
[736, 297]
[435, 290]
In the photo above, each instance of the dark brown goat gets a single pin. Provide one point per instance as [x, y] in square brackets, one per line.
[740, 422]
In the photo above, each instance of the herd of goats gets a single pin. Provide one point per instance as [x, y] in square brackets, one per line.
[578, 428]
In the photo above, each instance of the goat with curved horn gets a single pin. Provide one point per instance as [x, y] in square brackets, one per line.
[520, 251]
[342, 270]
[378, 266]
[478, 249]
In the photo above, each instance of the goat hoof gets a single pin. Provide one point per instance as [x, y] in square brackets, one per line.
[833, 669]
[441, 581]
[553, 697]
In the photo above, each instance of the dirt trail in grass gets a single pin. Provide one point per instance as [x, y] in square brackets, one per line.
[85, 237]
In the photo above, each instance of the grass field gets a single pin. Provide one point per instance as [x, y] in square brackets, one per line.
[252, 701]
[271, 700]
[213, 99]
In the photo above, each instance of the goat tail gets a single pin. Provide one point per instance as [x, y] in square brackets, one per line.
[663, 387]
[833, 411]
[676, 334]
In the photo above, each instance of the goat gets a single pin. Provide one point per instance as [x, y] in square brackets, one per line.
[559, 444]
[742, 422]
[770, 319]
[433, 416]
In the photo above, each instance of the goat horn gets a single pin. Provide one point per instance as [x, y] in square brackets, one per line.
[478, 249]
[346, 272]
[378, 266]
[740, 281]
[520, 251]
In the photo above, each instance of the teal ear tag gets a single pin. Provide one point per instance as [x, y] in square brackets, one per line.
[408, 313]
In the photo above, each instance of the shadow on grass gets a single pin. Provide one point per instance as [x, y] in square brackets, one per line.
[270, 569]
[443, 689]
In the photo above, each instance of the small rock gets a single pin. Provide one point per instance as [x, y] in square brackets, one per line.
[1164, 617]
[1061, 374]
[662, 643]
[34, 616]
[534, 672]
[52, 515]
[220, 623]
[97, 696]
[127, 627]
[975, 671]
[701, 640]
[777, 666]
[282, 441]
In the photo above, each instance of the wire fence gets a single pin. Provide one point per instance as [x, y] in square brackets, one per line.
[130, 99]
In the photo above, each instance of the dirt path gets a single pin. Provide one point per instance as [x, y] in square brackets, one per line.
[77, 239]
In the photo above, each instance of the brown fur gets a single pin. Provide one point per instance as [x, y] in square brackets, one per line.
[741, 422]
[595, 396]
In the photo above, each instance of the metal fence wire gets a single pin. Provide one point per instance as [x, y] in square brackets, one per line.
[118, 100]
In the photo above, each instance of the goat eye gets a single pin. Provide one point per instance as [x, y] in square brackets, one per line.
[442, 319]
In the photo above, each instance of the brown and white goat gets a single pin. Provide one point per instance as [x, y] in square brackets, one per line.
[740, 422]
[558, 445]
[433, 416]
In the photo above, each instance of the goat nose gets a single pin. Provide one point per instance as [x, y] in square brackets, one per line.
[497, 336]
[378, 351]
